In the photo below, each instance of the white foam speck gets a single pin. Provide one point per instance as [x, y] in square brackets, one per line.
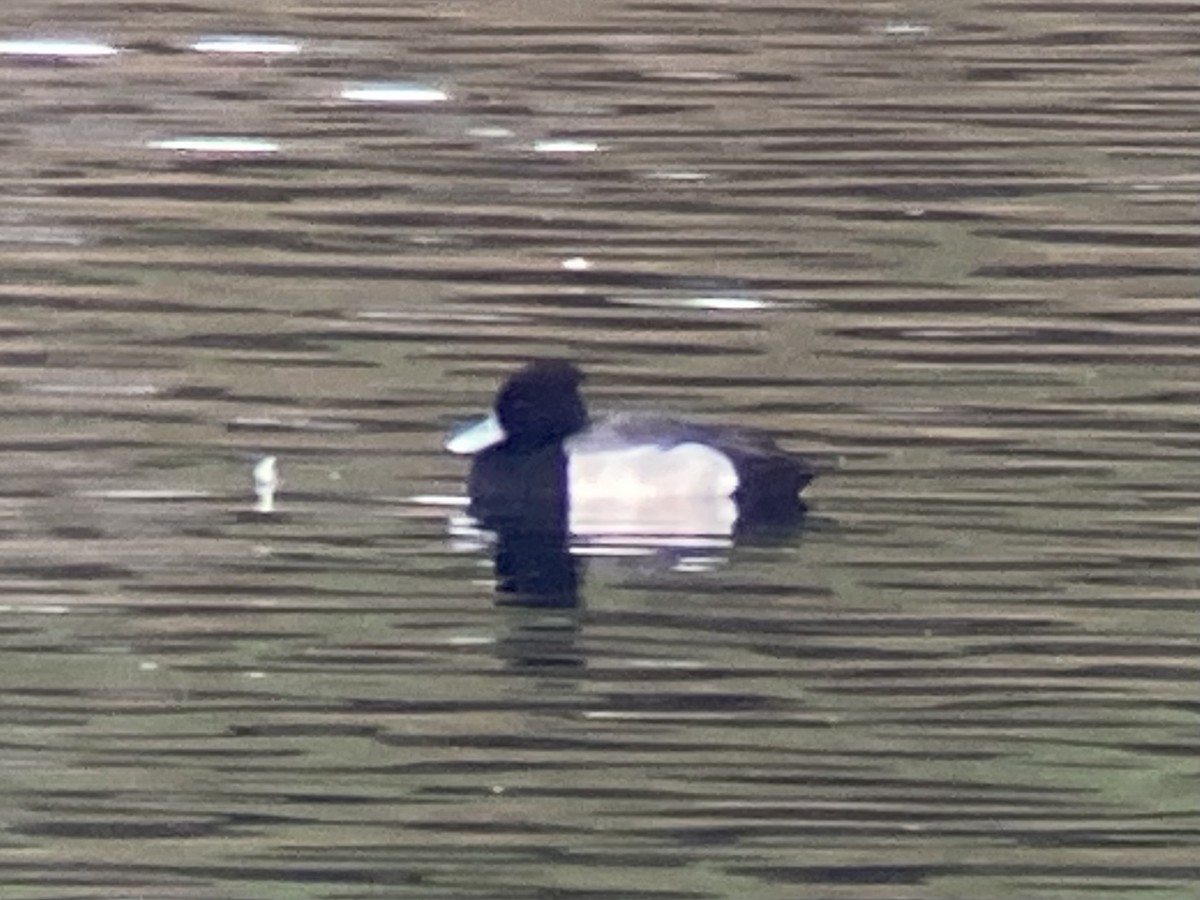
[27, 234]
[677, 175]
[906, 29]
[102, 390]
[245, 43]
[490, 131]
[438, 500]
[266, 483]
[696, 75]
[217, 145]
[729, 304]
[300, 423]
[715, 303]
[565, 146]
[56, 48]
[394, 92]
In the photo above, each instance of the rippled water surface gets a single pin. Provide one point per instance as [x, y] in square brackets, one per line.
[947, 249]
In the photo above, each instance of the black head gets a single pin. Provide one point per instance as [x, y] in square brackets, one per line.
[540, 404]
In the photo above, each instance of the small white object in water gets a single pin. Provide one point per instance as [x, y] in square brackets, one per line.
[470, 640]
[577, 264]
[394, 92]
[906, 29]
[565, 145]
[695, 75]
[729, 304]
[51, 48]
[439, 499]
[244, 43]
[266, 482]
[490, 131]
[34, 234]
[109, 390]
[301, 423]
[217, 145]
[677, 175]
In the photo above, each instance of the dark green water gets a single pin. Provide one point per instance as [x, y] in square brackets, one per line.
[949, 247]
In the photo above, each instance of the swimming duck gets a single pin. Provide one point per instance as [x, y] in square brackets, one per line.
[540, 462]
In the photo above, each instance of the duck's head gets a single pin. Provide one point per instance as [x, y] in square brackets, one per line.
[540, 404]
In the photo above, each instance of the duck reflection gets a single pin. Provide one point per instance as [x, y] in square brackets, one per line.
[533, 560]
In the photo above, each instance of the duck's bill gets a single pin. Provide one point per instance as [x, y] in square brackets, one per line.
[474, 437]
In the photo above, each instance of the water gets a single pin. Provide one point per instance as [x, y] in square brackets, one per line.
[946, 248]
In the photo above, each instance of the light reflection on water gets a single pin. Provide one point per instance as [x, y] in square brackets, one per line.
[952, 252]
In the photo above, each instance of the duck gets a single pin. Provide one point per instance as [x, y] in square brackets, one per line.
[541, 462]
